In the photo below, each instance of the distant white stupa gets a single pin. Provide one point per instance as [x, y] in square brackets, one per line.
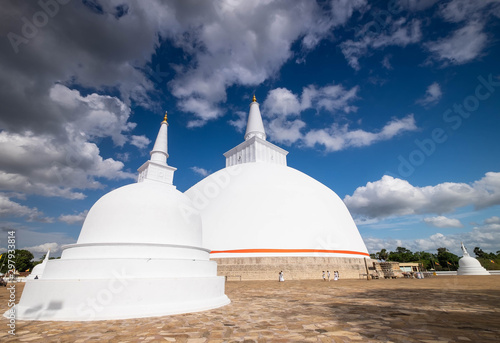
[139, 254]
[261, 216]
[468, 265]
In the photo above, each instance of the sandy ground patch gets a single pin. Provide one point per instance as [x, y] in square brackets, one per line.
[438, 309]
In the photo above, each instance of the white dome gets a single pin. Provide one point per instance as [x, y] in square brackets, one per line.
[468, 261]
[468, 265]
[145, 212]
[264, 209]
[138, 255]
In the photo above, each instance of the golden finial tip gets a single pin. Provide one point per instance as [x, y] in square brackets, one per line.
[165, 118]
[254, 98]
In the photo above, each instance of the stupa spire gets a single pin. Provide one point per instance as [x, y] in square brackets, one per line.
[46, 256]
[464, 250]
[255, 148]
[160, 149]
[157, 168]
[255, 126]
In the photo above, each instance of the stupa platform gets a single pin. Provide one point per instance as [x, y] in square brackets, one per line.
[438, 309]
[293, 267]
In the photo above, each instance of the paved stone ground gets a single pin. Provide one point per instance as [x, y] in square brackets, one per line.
[439, 309]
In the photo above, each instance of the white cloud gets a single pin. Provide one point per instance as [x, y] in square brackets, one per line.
[204, 110]
[442, 222]
[141, 142]
[460, 10]
[281, 105]
[55, 164]
[374, 244]
[96, 116]
[342, 10]
[488, 189]
[432, 95]
[245, 44]
[76, 50]
[226, 43]
[73, 218]
[125, 156]
[492, 220]
[462, 46]
[33, 237]
[9, 208]
[395, 197]
[200, 171]
[281, 102]
[396, 33]
[241, 122]
[43, 248]
[486, 236]
[48, 131]
[386, 63]
[341, 137]
[47, 166]
[285, 131]
[416, 5]
[331, 98]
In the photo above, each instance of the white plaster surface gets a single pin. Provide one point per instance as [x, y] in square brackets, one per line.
[160, 149]
[139, 254]
[255, 126]
[468, 265]
[117, 297]
[146, 212]
[255, 150]
[269, 206]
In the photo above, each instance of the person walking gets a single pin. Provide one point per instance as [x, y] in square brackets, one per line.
[282, 277]
[328, 274]
[324, 277]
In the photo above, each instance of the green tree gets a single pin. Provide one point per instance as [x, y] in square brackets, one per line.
[479, 252]
[402, 255]
[425, 258]
[447, 260]
[23, 260]
[382, 255]
[490, 261]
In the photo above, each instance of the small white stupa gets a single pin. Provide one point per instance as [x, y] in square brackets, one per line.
[261, 216]
[37, 272]
[468, 265]
[139, 254]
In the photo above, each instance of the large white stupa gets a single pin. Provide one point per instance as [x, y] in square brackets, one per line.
[261, 216]
[139, 254]
[468, 265]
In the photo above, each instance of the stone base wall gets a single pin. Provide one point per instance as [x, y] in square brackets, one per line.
[293, 267]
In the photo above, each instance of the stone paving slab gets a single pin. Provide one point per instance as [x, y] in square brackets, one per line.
[440, 309]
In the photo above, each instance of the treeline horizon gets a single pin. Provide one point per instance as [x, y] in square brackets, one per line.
[442, 260]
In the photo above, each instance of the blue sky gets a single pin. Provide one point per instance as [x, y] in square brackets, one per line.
[393, 105]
